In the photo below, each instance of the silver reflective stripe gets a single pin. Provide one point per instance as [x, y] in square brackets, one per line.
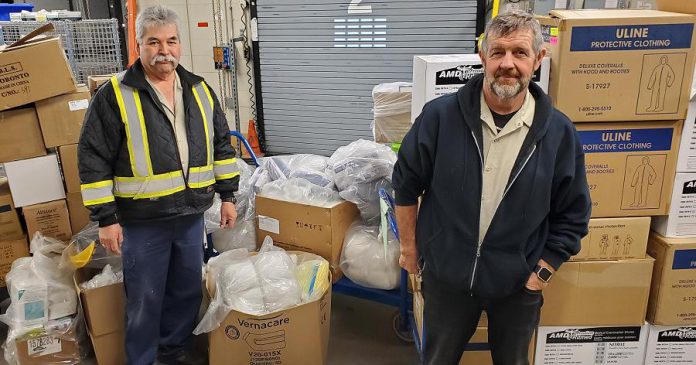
[201, 177]
[131, 114]
[150, 187]
[206, 104]
[225, 170]
[93, 194]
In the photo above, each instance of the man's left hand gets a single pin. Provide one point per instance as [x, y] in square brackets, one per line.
[228, 215]
[534, 283]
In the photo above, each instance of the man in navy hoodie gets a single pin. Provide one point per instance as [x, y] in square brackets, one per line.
[505, 200]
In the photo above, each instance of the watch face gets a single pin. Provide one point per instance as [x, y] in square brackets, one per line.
[544, 274]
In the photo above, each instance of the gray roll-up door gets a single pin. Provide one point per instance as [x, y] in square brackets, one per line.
[320, 59]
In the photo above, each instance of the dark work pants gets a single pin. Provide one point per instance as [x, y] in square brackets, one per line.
[450, 319]
[162, 268]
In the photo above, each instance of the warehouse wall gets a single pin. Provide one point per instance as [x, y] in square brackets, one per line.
[47, 4]
[198, 41]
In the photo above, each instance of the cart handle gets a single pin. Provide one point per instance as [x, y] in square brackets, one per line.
[246, 145]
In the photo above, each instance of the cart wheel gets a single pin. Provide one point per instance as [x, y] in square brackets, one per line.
[404, 334]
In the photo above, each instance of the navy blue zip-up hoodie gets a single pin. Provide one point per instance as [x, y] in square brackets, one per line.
[544, 214]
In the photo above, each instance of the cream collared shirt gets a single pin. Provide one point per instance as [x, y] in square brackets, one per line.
[500, 150]
[176, 115]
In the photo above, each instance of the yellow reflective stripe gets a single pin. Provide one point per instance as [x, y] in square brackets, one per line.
[226, 162]
[146, 144]
[212, 117]
[227, 176]
[107, 199]
[205, 123]
[201, 184]
[124, 118]
[201, 169]
[98, 184]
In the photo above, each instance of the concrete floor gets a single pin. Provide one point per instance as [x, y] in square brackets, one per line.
[361, 333]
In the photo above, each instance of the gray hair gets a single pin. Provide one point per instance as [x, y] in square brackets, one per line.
[155, 16]
[510, 22]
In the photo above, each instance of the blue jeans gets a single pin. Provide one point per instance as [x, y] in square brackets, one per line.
[162, 268]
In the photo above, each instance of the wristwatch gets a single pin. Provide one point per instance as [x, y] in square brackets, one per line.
[543, 273]
[232, 200]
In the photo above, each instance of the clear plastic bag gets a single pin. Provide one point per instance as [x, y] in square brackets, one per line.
[45, 269]
[301, 191]
[277, 275]
[242, 235]
[262, 284]
[365, 260]
[58, 341]
[359, 170]
[84, 250]
[108, 276]
[245, 200]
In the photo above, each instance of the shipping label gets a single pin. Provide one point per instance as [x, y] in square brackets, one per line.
[42, 346]
[600, 345]
[672, 346]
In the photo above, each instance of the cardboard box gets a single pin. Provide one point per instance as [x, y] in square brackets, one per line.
[686, 161]
[9, 251]
[615, 239]
[56, 343]
[51, 219]
[591, 345]
[598, 293]
[303, 227]
[35, 180]
[68, 163]
[79, 214]
[437, 75]
[105, 313]
[61, 117]
[10, 227]
[677, 6]
[681, 221]
[392, 111]
[298, 335]
[671, 345]
[630, 166]
[32, 71]
[21, 135]
[95, 81]
[673, 291]
[617, 65]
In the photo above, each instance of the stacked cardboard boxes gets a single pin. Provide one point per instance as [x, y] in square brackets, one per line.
[623, 77]
[33, 183]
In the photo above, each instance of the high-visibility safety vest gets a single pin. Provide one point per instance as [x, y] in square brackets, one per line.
[144, 184]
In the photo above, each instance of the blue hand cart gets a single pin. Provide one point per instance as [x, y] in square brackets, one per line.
[403, 322]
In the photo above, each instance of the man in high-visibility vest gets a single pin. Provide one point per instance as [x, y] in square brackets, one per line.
[154, 149]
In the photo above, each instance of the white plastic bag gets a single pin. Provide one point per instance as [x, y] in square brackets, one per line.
[245, 200]
[107, 277]
[301, 191]
[359, 170]
[363, 258]
[268, 282]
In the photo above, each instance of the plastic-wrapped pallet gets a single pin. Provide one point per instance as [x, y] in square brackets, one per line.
[392, 111]
[367, 261]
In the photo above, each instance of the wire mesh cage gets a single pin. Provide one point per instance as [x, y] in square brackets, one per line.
[91, 46]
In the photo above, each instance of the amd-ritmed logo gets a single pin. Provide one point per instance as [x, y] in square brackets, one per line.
[572, 335]
[689, 187]
[458, 75]
[683, 334]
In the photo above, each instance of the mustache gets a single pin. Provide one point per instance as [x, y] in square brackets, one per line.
[167, 58]
[507, 73]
